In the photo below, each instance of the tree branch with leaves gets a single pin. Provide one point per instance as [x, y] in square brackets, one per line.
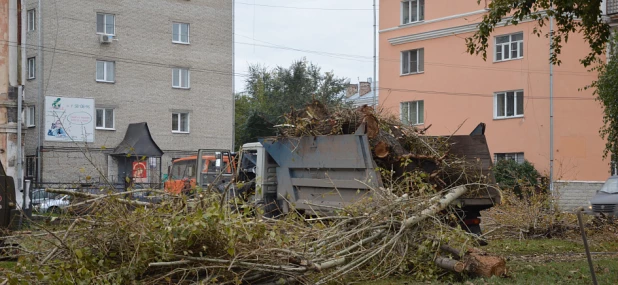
[270, 93]
[570, 16]
[606, 92]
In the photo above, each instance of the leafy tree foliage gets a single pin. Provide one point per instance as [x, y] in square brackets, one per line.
[270, 93]
[606, 92]
[571, 16]
[512, 175]
[241, 109]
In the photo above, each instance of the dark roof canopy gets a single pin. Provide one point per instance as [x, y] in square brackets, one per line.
[138, 141]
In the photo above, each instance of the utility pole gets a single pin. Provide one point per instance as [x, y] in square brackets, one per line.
[233, 76]
[375, 59]
[20, 98]
[551, 106]
[39, 101]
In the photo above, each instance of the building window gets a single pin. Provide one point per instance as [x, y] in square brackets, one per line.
[509, 104]
[413, 113]
[105, 71]
[32, 68]
[11, 114]
[30, 166]
[31, 20]
[412, 61]
[180, 122]
[180, 78]
[412, 11]
[105, 119]
[30, 117]
[510, 47]
[106, 24]
[180, 33]
[516, 156]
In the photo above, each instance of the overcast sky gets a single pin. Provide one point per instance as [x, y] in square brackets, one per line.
[272, 36]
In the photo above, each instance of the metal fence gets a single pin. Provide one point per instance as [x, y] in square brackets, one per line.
[42, 201]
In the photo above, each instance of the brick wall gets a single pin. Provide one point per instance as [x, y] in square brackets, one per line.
[73, 167]
[573, 194]
[365, 87]
[351, 90]
[144, 56]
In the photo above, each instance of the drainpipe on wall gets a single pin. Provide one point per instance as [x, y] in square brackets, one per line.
[20, 98]
[13, 44]
[233, 80]
[551, 108]
[39, 79]
[375, 58]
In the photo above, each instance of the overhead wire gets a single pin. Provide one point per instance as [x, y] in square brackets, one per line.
[368, 59]
[122, 59]
[479, 94]
[165, 65]
[304, 8]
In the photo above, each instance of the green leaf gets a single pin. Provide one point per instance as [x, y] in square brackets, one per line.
[79, 254]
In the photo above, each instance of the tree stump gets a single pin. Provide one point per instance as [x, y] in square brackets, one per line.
[483, 264]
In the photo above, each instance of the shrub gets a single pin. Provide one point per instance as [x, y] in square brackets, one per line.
[517, 176]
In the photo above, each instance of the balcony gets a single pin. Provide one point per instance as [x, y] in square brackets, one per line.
[611, 7]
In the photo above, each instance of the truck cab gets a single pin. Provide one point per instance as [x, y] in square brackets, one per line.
[183, 176]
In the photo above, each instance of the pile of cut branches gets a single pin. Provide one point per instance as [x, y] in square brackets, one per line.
[406, 227]
[401, 151]
[210, 243]
[537, 214]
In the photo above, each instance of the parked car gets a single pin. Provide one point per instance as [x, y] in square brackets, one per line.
[606, 200]
[40, 195]
[55, 205]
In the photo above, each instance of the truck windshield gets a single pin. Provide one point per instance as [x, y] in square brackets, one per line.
[183, 169]
[610, 186]
[212, 167]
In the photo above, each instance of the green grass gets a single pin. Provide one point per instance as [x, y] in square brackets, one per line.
[521, 247]
[559, 267]
[563, 272]
[10, 265]
[575, 272]
[546, 246]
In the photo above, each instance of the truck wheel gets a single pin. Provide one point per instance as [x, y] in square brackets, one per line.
[476, 230]
[54, 210]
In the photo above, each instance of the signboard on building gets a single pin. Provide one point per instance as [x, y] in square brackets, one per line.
[69, 119]
[139, 169]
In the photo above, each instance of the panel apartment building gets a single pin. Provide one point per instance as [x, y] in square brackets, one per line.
[432, 80]
[166, 63]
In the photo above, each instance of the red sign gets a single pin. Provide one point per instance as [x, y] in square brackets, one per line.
[139, 169]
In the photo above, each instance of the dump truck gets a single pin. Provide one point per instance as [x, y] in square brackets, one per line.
[182, 175]
[319, 174]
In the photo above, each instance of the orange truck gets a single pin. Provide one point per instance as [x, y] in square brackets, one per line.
[183, 176]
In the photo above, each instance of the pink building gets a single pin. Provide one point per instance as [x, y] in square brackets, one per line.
[428, 78]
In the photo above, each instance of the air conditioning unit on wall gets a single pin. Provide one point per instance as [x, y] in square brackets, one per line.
[106, 39]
